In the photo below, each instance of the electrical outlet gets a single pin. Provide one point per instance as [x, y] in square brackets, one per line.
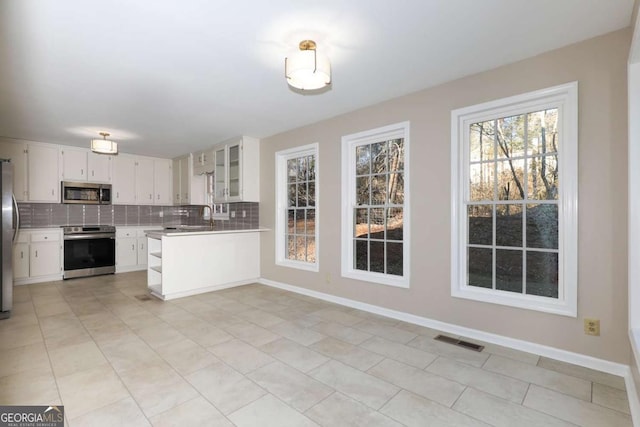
[592, 326]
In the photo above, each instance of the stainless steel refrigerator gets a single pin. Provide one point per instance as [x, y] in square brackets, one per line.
[10, 224]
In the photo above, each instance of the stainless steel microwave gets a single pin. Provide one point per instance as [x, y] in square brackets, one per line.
[86, 193]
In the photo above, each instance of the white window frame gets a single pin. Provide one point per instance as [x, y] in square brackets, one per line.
[349, 144]
[282, 205]
[565, 98]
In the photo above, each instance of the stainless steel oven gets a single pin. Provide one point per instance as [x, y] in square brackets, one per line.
[85, 193]
[89, 250]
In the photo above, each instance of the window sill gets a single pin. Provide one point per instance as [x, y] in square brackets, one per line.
[378, 278]
[299, 265]
[529, 302]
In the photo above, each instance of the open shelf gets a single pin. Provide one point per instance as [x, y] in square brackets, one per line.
[156, 254]
[156, 289]
[157, 268]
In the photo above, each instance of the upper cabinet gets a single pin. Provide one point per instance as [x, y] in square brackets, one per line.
[43, 173]
[82, 165]
[162, 181]
[237, 170]
[203, 162]
[99, 167]
[141, 180]
[124, 176]
[16, 151]
[144, 181]
[188, 189]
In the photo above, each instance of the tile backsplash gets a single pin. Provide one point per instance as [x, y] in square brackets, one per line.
[42, 215]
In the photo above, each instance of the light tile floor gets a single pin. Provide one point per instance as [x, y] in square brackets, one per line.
[258, 356]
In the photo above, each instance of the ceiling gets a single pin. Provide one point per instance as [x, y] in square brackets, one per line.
[167, 77]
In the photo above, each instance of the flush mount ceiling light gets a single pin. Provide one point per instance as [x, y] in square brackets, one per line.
[104, 146]
[306, 69]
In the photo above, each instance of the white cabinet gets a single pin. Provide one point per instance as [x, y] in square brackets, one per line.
[141, 246]
[162, 180]
[45, 253]
[16, 151]
[43, 173]
[99, 167]
[237, 170]
[144, 181]
[126, 248]
[124, 175]
[187, 188]
[37, 255]
[141, 180]
[74, 164]
[20, 260]
[82, 165]
[182, 265]
[131, 248]
[177, 176]
[36, 173]
[203, 161]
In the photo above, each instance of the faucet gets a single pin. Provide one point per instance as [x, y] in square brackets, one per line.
[204, 207]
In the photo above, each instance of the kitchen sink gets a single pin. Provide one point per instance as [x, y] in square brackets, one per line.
[187, 228]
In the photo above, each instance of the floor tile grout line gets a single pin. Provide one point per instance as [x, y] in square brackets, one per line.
[111, 365]
[110, 307]
[44, 343]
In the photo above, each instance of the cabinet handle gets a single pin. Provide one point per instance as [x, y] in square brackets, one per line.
[142, 246]
[52, 191]
[92, 172]
[36, 254]
[117, 195]
[21, 254]
[81, 171]
[158, 196]
[150, 196]
[133, 247]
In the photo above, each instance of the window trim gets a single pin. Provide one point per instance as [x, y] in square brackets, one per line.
[565, 98]
[281, 205]
[349, 142]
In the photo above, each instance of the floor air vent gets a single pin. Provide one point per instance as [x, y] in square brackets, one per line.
[460, 343]
[143, 297]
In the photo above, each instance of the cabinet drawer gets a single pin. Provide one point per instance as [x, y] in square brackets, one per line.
[45, 237]
[126, 232]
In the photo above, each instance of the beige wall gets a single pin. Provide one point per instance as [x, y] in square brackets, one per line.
[599, 65]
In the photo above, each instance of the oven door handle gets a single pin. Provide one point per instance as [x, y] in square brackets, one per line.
[89, 236]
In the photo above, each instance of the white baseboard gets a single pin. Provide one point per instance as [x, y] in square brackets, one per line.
[174, 295]
[542, 350]
[529, 347]
[40, 279]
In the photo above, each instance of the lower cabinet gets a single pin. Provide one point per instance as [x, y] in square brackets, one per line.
[193, 263]
[131, 248]
[37, 256]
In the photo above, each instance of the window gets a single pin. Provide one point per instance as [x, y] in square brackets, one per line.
[375, 205]
[514, 201]
[297, 207]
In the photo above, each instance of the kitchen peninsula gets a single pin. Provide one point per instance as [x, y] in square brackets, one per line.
[190, 261]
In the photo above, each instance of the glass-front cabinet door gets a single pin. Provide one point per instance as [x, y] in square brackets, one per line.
[233, 192]
[220, 174]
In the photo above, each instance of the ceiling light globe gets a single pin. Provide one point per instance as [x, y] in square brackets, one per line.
[308, 70]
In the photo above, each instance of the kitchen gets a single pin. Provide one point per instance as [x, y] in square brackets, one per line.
[270, 253]
[108, 204]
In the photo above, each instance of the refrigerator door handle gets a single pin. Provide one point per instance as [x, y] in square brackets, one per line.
[16, 217]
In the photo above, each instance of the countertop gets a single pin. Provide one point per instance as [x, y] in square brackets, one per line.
[158, 234]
